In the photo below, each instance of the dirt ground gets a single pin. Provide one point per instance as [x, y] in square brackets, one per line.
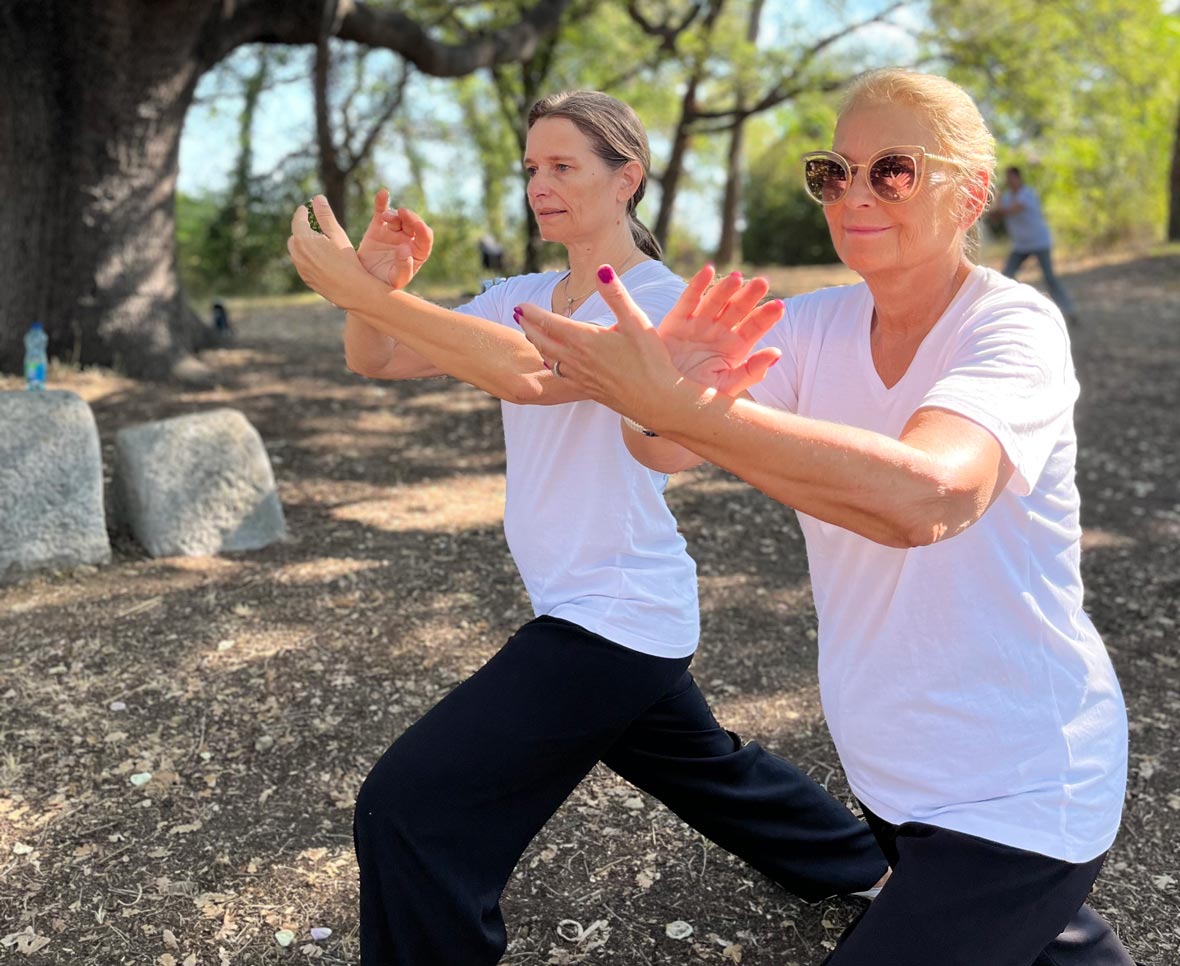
[258, 688]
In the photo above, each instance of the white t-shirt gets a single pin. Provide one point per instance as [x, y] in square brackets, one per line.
[963, 683]
[587, 525]
[1027, 228]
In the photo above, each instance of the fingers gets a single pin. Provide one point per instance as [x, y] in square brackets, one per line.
[628, 315]
[329, 224]
[754, 325]
[380, 202]
[750, 373]
[554, 336]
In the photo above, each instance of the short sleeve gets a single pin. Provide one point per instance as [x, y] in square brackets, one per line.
[489, 305]
[780, 386]
[1011, 372]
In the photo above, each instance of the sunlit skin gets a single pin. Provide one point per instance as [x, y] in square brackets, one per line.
[579, 201]
[898, 248]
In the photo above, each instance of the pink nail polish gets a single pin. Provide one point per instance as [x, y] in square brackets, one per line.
[517, 313]
[735, 274]
[606, 274]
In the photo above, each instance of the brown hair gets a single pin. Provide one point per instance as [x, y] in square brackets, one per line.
[952, 115]
[616, 135]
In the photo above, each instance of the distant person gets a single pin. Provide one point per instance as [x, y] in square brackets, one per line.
[1020, 208]
[221, 323]
[601, 673]
[491, 253]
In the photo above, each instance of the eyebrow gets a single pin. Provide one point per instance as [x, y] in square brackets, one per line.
[552, 157]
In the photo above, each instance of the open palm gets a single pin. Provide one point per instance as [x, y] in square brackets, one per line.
[712, 330]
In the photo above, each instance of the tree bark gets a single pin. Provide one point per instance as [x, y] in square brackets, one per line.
[91, 125]
[670, 180]
[730, 243]
[1174, 187]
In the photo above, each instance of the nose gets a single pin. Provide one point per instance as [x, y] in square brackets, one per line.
[858, 192]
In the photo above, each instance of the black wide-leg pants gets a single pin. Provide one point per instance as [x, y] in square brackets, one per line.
[959, 900]
[445, 815]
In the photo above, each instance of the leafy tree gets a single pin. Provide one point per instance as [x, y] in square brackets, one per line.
[91, 135]
[783, 225]
[1083, 94]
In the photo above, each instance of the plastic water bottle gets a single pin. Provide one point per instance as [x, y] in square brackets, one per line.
[36, 343]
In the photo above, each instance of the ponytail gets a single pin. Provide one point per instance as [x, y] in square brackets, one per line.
[644, 240]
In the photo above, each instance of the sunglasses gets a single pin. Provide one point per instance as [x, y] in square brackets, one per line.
[895, 174]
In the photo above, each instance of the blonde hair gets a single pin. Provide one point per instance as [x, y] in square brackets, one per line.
[616, 135]
[958, 127]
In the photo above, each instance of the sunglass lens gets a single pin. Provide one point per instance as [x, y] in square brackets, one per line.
[894, 177]
[826, 179]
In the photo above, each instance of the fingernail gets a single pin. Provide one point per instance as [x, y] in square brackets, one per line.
[774, 362]
[735, 274]
[606, 274]
[546, 364]
[517, 313]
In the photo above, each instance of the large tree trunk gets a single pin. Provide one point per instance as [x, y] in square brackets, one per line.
[1174, 187]
[90, 125]
[670, 180]
[91, 133]
[730, 242]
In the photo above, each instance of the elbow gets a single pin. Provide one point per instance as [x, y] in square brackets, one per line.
[940, 515]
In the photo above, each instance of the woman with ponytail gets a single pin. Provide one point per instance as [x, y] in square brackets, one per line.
[601, 672]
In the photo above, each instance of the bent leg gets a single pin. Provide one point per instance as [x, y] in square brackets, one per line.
[444, 816]
[750, 802]
[1015, 260]
[959, 900]
[1057, 291]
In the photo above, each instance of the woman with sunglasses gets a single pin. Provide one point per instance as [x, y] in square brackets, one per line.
[921, 423]
[602, 672]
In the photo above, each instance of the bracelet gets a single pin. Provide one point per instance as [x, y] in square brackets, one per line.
[638, 427]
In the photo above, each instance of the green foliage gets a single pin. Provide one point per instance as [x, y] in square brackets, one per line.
[1081, 95]
[783, 225]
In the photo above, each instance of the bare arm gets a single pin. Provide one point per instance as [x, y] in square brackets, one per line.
[929, 484]
[477, 351]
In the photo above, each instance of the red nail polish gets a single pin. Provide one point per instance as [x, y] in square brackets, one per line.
[606, 274]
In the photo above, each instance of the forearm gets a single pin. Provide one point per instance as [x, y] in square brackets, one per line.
[371, 353]
[489, 356]
[658, 453]
[881, 488]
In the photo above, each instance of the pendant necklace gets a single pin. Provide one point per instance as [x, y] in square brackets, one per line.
[569, 302]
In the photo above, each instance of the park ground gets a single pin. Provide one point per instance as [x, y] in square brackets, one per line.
[258, 688]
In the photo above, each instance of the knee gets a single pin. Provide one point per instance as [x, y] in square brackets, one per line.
[391, 797]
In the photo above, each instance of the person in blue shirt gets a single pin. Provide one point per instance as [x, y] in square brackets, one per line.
[1020, 208]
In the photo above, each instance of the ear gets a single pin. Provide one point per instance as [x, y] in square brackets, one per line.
[977, 193]
[630, 176]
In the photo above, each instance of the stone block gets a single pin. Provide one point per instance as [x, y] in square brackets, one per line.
[196, 485]
[51, 507]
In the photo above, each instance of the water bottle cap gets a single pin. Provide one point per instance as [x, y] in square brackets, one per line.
[36, 326]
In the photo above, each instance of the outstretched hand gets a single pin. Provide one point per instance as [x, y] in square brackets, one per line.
[631, 366]
[325, 260]
[712, 330]
[395, 244]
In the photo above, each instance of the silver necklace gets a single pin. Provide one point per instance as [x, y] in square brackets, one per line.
[569, 302]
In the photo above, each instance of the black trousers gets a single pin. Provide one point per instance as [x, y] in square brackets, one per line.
[446, 813]
[959, 900]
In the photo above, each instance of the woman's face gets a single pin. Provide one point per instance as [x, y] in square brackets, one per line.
[871, 236]
[574, 194]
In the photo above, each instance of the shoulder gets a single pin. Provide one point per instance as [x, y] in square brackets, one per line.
[1000, 312]
[653, 277]
[837, 302]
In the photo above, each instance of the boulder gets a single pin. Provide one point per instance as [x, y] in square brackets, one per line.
[51, 509]
[196, 485]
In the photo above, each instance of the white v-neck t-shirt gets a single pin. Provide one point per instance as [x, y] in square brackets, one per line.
[586, 523]
[963, 683]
